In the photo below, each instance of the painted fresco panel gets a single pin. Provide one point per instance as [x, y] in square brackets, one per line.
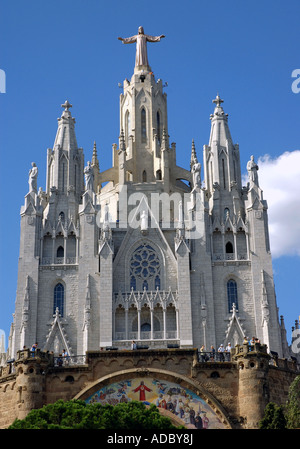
[184, 403]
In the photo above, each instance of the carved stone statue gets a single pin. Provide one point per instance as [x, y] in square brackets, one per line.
[141, 40]
[144, 221]
[32, 181]
[106, 216]
[196, 172]
[89, 177]
[106, 230]
[252, 168]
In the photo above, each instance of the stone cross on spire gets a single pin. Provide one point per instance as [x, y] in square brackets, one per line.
[66, 105]
[218, 101]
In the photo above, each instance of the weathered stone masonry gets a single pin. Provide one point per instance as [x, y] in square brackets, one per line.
[237, 390]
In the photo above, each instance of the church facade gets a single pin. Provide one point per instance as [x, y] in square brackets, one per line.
[145, 251]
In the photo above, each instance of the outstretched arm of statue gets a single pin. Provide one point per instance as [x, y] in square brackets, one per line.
[128, 40]
[154, 38]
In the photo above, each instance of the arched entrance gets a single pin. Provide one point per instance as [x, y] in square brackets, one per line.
[173, 394]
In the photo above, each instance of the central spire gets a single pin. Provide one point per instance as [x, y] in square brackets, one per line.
[141, 39]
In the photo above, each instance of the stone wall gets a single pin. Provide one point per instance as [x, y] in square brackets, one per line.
[237, 390]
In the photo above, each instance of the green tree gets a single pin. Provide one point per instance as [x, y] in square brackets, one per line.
[273, 417]
[77, 414]
[293, 405]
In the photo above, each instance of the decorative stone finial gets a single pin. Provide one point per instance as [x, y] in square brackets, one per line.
[66, 105]
[218, 101]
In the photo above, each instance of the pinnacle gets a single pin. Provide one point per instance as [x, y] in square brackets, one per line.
[193, 154]
[218, 101]
[66, 105]
[95, 162]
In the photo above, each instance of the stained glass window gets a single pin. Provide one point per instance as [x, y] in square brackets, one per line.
[59, 297]
[143, 125]
[145, 269]
[232, 294]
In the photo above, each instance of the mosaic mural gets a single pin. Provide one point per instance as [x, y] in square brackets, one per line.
[185, 404]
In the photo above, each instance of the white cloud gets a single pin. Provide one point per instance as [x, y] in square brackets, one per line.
[279, 178]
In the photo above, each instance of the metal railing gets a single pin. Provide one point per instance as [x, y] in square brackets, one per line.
[213, 356]
[157, 335]
[70, 360]
[59, 261]
[230, 257]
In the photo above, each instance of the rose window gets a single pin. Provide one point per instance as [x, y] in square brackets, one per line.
[144, 269]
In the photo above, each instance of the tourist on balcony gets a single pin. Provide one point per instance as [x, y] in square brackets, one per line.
[33, 349]
[65, 356]
[202, 354]
[221, 353]
[228, 349]
[212, 353]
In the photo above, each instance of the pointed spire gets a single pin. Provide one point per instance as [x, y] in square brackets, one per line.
[220, 133]
[65, 136]
[193, 155]
[95, 162]
[164, 141]
[122, 146]
[282, 325]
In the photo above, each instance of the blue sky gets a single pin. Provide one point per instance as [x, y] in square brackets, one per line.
[245, 51]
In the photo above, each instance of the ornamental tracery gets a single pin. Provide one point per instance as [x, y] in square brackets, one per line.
[145, 271]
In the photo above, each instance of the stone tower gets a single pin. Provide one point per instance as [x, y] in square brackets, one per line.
[145, 250]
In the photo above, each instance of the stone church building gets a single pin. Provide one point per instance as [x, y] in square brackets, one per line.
[145, 250]
[132, 269]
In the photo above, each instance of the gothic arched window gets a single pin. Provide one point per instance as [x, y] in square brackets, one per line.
[158, 127]
[157, 283]
[60, 252]
[143, 126]
[144, 176]
[145, 270]
[59, 299]
[223, 172]
[127, 127]
[132, 283]
[232, 296]
[146, 327]
[229, 248]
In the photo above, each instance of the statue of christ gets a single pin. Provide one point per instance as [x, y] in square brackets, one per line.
[141, 39]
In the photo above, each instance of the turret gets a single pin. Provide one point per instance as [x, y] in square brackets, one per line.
[221, 164]
[64, 169]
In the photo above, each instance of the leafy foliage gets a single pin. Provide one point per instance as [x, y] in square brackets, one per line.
[273, 417]
[279, 417]
[293, 405]
[77, 414]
